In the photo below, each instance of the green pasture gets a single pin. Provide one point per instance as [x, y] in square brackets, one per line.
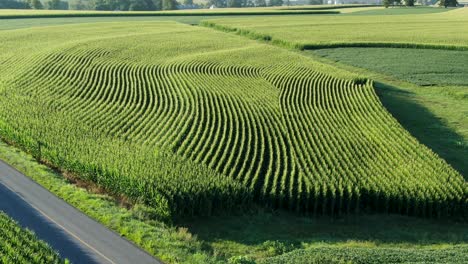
[424, 67]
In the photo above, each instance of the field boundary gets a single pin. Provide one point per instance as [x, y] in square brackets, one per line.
[298, 46]
[159, 14]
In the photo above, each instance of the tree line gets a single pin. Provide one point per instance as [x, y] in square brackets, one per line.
[445, 3]
[133, 5]
[246, 3]
[110, 5]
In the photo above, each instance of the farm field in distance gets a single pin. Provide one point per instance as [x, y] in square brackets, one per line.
[424, 67]
[437, 30]
[246, 148]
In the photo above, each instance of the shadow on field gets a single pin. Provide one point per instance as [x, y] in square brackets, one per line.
[236, 232]
[424, 126]
[293, 230]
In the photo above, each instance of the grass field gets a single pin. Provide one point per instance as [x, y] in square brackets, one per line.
[426, 67]
[439, 30]
[18, 245]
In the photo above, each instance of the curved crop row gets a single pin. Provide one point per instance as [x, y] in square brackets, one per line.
[21, 246]
[211, 125]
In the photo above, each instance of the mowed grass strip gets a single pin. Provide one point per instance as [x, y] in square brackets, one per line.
[196, 122]
[438, 31]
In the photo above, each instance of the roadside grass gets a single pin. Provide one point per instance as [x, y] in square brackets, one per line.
[437, 115]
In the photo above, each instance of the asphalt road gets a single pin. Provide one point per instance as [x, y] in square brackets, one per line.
[73, 234]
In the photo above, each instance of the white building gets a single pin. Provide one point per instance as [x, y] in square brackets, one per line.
[342, 2]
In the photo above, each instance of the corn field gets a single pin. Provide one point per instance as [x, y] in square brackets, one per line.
[214, 124]
[21, 246]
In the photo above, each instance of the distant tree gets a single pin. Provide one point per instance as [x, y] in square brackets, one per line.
[138, 5]
[234, 3]
[157, 4]
[249, 3]
[276, 2]
[123, 5]
[217, 3]
[100, 5]
[396, 2]
[260, 3]
[386, 3]
[409, 2]
[13, 4]
[150, 5]
[57, 5]
[36, 4]
[448, 3]
[315, 2]
[169, 4]
[77, 5]
[188, 2]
